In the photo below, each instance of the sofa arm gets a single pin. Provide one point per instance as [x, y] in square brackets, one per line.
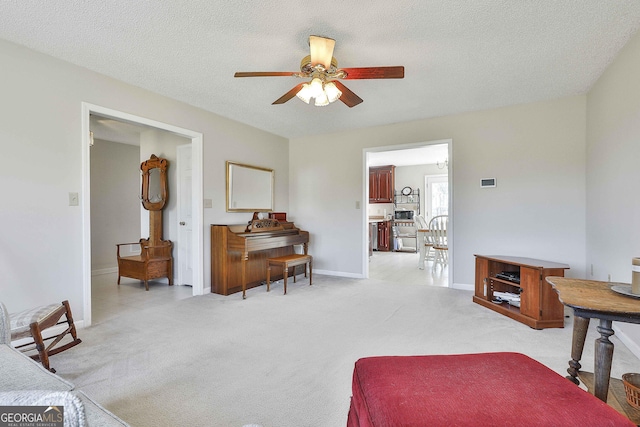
[97, 415]
[5, 325]
[73, 408]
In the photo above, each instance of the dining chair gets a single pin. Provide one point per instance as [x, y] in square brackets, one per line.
[438, 231]
[426, 241]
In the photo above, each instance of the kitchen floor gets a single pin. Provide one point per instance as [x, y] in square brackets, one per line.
[403, 267]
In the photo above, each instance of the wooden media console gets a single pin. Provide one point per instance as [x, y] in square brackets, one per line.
[539, 304]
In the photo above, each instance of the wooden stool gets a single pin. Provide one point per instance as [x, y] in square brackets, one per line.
[31, 323]
[287, 261]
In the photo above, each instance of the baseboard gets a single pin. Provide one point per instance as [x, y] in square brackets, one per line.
[101, 271]
[338, 274]
[206, 290]
[628, 342]
[463, 286]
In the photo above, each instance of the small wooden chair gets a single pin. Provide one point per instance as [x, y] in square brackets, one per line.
[287, 261]
[31, 323]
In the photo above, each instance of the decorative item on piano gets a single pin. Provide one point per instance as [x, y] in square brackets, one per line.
[258, 224]
[280, 216]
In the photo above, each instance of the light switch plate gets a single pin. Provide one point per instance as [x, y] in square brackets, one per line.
[73, 199]
[208, 203]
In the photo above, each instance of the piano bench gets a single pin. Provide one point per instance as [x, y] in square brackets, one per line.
[286, 262]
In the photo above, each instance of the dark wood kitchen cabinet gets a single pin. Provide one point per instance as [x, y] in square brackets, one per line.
[381, 184]
[384, 228]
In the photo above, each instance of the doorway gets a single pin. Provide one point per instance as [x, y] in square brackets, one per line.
[197, 244]
[415, 166]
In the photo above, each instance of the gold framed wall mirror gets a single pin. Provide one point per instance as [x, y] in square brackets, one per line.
[249, 188]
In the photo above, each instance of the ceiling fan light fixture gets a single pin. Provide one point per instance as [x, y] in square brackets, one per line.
[333, 93]
[322, 99]
[323, 93]
[316, 87]
[305, 93]
[322, 68]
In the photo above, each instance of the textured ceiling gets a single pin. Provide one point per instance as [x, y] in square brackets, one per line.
[458, 55]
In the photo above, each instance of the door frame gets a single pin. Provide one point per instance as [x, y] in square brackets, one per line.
[179, 175]
[365, 198]
[85, 198]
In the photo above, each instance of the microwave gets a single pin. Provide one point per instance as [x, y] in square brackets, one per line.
[404, 214]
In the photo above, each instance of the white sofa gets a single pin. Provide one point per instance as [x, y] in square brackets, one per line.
[24, 382]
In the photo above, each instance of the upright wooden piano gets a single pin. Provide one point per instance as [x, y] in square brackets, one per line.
[239, 252]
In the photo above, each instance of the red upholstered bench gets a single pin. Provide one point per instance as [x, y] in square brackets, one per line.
[490, 389]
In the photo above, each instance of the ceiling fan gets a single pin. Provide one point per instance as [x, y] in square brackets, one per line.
[322, 68]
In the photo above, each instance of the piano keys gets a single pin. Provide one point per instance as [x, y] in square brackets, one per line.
[239, 255]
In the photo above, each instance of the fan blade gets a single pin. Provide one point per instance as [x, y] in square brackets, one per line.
[321, 50]
[287, 96]
[348, 97]
[265, 74]
[374, 73]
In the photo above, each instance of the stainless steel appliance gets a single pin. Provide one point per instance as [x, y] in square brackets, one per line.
[404, 214]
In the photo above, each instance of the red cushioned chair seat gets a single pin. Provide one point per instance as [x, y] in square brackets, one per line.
[489, 389]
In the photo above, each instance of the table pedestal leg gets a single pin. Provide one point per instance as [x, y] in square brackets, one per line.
[580, 327]
[604, 355]
[421, 248]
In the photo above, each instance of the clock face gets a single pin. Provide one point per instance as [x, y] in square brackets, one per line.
[406, 191]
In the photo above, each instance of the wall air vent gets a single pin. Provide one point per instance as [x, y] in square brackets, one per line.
[487, 182]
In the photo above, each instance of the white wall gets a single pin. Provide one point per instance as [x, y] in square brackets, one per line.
[536, 152]
[613, 174]
[380, 209]
[115, 185]
[40, 138]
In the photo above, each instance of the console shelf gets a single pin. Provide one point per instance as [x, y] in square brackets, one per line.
[539, 304]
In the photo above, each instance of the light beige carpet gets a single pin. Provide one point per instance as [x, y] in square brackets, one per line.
[286, 360]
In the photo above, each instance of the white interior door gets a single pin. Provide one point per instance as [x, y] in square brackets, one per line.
[437, 196]
[185, 217]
